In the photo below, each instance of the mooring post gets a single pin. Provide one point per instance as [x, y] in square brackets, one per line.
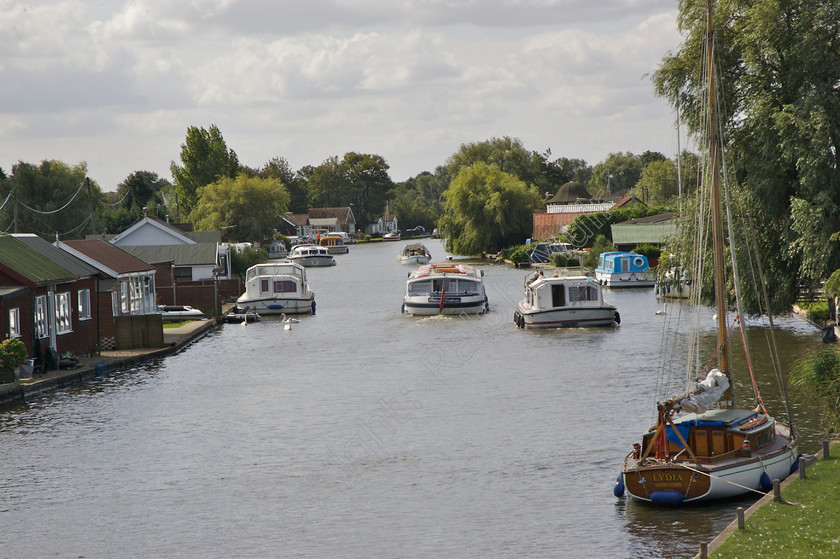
[777, 491]
[740, 512]
[802, 465]
[826, 454]
[704, 551]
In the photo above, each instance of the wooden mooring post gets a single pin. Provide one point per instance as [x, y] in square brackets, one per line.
[777, 491]
[704, 551]
[826, 453]
[740, 514]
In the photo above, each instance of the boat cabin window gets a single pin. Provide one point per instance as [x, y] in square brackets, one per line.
[264, 285]
[284, 286]
[420, 287]
[579, 293]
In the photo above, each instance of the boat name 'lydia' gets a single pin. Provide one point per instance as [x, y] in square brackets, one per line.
[667, 477]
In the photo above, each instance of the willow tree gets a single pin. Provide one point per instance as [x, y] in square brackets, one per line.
[245, 208]
[486, 209]
[779, 61]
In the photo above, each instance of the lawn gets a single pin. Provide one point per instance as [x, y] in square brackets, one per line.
[809, 528]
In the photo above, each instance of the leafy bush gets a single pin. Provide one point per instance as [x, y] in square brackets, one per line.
[559, 260]
[817, 375]
[818, 311]
[651, 251]
[518, 255]
[12, 353]
[601, 244]
[240, 262]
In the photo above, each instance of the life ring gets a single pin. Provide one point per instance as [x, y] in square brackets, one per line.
[638, 261]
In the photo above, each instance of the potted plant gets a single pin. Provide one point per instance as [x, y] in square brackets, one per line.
[12, 355]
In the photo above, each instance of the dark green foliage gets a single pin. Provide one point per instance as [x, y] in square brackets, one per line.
[206, 159]
[50, 199]
[600, 244]
[241, 261]
[817, 375]
[651, 251]
[360, 180]
[780, 66]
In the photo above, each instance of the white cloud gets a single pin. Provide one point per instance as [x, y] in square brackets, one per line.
[117, 85]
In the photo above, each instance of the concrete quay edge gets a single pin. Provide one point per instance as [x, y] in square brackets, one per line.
[175, 339]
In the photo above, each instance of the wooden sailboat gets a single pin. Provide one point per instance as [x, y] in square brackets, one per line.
[702, 446]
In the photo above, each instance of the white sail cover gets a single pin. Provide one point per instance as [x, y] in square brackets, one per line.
[704, 394]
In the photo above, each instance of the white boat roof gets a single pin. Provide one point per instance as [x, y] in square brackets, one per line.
[449, 269]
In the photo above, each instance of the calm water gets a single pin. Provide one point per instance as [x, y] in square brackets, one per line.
[359, 433]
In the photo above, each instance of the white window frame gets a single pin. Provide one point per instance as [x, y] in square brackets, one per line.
[63, 313]
[14, 323]
[42, 329]
[125, 302]
[84, 304]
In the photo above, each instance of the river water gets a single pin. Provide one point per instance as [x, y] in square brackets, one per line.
[361, 432]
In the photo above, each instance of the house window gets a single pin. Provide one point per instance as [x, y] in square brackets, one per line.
[125, 304]
[183, 273]
[41, 329]
[14, 323]
[84, 304]
[63, 323]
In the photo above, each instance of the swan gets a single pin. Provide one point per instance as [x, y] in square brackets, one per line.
[664, 308]
[287, 322]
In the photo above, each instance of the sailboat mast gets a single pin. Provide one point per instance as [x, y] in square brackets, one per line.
[717, 213]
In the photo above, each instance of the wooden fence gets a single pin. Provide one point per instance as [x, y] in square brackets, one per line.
[206, 295]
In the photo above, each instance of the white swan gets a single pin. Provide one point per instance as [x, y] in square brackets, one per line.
[664, 308]
[287, 322]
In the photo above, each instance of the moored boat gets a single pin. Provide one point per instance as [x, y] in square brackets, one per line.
[171, 313]
[311, 255]
[414, 253]
[567, 301]
[703, 447]
[624, 269]
[276, 288]
[445, 289]
[334, 244]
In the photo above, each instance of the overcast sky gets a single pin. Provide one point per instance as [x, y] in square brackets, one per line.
[117, 84]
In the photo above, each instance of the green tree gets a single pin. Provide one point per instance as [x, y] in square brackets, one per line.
[245, 208]
[658, 183]
[206, 159]
[278, 168]
[781, 64]
[419, 200]
[487, 209]
[617, 174]
[50, 199]
[360, 180]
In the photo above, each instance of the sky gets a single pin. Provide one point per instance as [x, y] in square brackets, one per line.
[117, 84]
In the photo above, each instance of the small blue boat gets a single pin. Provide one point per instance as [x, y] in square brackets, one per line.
[624, 269]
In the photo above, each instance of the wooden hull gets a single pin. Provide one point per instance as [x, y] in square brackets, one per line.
[674, 483]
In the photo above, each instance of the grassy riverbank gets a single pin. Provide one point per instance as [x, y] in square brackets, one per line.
[810, 528]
